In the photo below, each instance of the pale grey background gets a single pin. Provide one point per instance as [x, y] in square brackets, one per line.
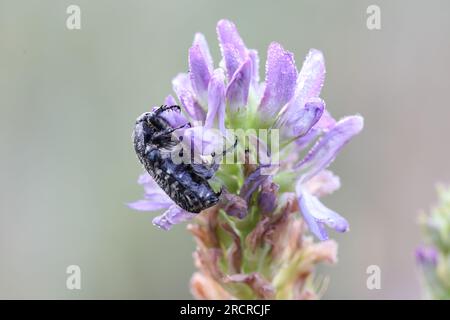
[68, 100]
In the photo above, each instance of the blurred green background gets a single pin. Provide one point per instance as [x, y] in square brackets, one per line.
[69, 99]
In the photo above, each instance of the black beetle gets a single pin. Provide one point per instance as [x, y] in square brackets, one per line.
[185, 183]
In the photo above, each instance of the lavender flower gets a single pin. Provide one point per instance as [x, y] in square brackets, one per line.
[427, 256]
[434, 258]
[156, 199]
[264, 191]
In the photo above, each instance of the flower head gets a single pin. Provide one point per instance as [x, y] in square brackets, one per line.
[252, 243]
[427, 256]
[231, 96]
[434, 257]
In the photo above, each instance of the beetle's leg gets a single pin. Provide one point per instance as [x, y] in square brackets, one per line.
[164, 138]
[170, 129]
[165, 108]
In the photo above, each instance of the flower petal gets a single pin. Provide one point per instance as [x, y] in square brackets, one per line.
[312, 74]
[203, 141]
[252, 183]
[200, 40]
[216, 101]
[151, 188]
[326, 122]
[145, 179]
[155, 197]
[281, 75]
[181, 82]
[147, 205]
[306, 117]
[253, 54]
[303, 142]
[233, 48]
[326, 149]
[267, 198]
[237, 89]
[323, 183]
[309, 84]
[427, 256]
[317, 215]
[182, 87]
[234, 205]
[200, 72]
[170, 101]
[172, 216]
[192, 107]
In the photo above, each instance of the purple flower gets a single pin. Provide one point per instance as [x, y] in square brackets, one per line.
[318, 159]
[238, 88]
[281, 76]
[201, 67]
[267, 199]
[216, 101]
[308, 87]
[326, 149]
[427, 256]
[233, 49]
[156, 199]
[213, 97]
[182, 86]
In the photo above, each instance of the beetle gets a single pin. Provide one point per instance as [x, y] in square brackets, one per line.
[185, 183]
